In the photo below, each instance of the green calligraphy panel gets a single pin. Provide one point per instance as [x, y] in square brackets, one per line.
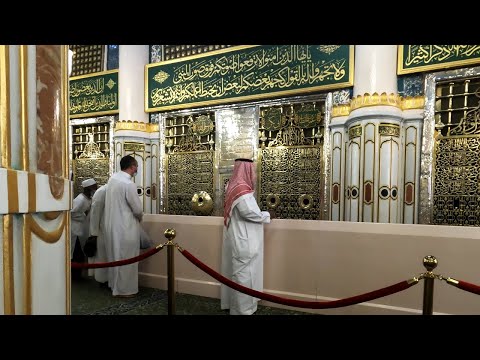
[246, 72]
[418, 58]
[94, 95]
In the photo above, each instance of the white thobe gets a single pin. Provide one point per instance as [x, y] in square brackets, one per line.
[123, 213]
[97, 228]
[242, 254]
[80, 221]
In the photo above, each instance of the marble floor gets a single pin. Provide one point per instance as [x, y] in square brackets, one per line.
[89, 298]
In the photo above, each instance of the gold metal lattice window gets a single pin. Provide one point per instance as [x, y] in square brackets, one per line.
[81, 137]
[190, 147]
[291, 139]
[190, 133]
[87, 59]
[90, 153]
[178, 51]
[456, 191]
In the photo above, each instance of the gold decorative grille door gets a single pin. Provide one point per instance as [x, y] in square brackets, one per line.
[91, 154]
[456, 180]
[190, 149]
[291, 143]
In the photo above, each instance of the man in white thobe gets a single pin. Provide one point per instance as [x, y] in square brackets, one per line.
[80, 215]
[97, 229]
[123, 214]
[242, 251]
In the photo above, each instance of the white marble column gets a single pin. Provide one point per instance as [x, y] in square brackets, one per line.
[35, 191]
[133, 132]
[132, 60]
[374, 149]
[375, 69]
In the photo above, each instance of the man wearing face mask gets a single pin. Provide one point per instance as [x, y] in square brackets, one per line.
[122, 217]
[80, 223]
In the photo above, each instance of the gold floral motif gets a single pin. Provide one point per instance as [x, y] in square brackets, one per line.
[413, 102]
[161, 76]
[340, 110]
[389, 130]
[375, 100]
[355, 131]
[111, 84]
[328, 49]
[202, 125]
[92, 150]
[136, 126]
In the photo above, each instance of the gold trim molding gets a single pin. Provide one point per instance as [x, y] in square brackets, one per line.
[403, 103]
[340, 110]
[413, 102]
[8, 278]
[136, 126]
[49, 237]
[376, 100]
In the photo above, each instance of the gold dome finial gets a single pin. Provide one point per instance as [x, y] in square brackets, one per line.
[430, 262]
[170, 234]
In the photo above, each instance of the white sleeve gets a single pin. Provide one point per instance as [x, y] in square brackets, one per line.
[96, 212]
[79, 206]
[134, 201]
[250, 211]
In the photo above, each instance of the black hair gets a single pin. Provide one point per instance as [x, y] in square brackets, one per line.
[126, 162]
[247, 160]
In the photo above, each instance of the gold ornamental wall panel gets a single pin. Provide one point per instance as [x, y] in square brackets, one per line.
[190, 150]
[189, 173]
[90, 153]
[456, 190]
[290, 185]
[291, 164]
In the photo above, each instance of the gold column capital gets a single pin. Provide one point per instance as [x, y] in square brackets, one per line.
[136, 126]
[375, 99]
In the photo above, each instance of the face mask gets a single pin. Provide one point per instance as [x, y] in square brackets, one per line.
[134, 174]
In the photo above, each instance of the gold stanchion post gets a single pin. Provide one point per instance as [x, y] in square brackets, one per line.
[430, 263]
[170, 235]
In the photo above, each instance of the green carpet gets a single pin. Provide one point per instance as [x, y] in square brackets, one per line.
[88, 298]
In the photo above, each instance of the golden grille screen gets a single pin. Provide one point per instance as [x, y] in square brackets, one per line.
[178, 51]
[87, 59]
[291, 139]
[81, 137]
[456, 191]
[90, 153]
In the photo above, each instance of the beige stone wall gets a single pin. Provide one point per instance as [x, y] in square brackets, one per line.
[326, 260]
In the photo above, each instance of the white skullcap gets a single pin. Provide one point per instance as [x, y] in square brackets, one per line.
[88, 182]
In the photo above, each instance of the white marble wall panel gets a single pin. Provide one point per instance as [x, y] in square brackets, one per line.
[140, 148]
[18, 261]
[355, 176]
[337, 174]
[44, 199]
[48, 277]
[367, 186]
[388, 194]
[15, 95]
[236, 137]
[411, 167]
[32, 106]
[154, 174]
[3, 191]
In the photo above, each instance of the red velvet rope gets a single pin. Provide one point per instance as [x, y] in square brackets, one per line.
[468, 287]
[389, 290]
[140, 257]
